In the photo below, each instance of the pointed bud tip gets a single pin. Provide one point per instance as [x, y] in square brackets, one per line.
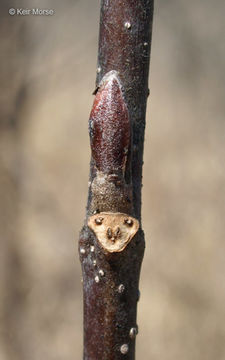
[109, 125]
[109, 78]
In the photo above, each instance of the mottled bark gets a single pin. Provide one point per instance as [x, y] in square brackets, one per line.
[112, 241]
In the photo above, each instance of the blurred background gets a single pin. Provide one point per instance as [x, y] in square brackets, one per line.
[47, 76]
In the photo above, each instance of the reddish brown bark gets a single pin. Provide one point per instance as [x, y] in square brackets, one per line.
[116, 127]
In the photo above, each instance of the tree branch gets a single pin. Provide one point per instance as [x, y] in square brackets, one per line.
[112, 241]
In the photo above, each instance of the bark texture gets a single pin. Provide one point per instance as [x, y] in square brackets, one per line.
[111, 242]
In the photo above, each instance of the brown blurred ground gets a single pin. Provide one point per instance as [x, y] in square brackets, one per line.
[47, 75]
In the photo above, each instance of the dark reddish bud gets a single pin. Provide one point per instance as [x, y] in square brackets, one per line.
[109, 126]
